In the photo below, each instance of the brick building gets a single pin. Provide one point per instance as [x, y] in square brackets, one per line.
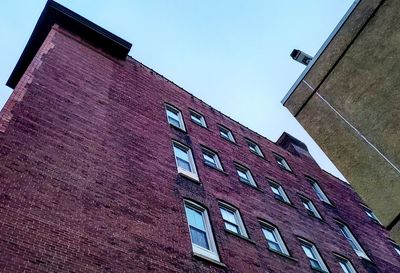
[106, 166]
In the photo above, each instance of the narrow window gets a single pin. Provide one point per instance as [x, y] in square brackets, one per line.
[345, 265]
[211, 159]
[279, 192]
[200, 230]
[245, 175]
[274, 239]
[184, 161]
[352, 241]
[371, 215]
[232, 220]
[318, 191]
[174, 117]
[254, 148]
[198, 119]
[226, 134]
[282, 163]
[313, 256]
[311, 209]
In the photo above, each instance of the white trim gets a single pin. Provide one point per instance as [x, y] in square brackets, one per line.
[228, 132]
[198, 118]
[313, 208]
[310, 246]
[346, 263]
[211, 253]
[318, 191]
[280, 189]
[238, 218]
[250, 180]
[176, 111]
[257, 150]
[274, 230]
[214, 155]
[191, 174]
[282, 163]
[346, 232]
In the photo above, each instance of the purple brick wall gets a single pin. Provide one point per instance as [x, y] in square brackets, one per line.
[89, 181]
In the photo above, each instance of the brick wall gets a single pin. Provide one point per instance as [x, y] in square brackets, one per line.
[89, 181]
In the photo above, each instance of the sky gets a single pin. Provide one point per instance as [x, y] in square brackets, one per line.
[232, 54]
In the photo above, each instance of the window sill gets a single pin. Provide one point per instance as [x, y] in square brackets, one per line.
[240, 236]
[202, 257]
[197, 181]
[284, 202]
[283, 255]
[214, 168]
[258, 155]
[178, 128]
[251, 186]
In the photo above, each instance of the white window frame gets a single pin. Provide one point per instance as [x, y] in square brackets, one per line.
[211, 253]
[198, 118]
[282, 162]
[281, 191]
[353, 242]
[395, 246]
[318, 191]
[176, 111]
[238, 219]
[371, 215]
[312, 210]
[256, 149]
[193, 174]
[229, 136]
[345, 264]
[317, 257]
[215, 157]
[279, 241]
[250, 180]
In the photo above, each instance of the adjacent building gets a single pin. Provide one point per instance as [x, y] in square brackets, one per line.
[348, 100]
[107, 166]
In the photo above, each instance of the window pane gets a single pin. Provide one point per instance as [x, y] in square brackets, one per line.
[224, 133]
[199, 237]
[195, 218]
[232, 227]
[345, 267]
[269, 235]
[315, 264]
[173, 117]
[242, 175]
[182, 158]
[228, 216]
[209, 158]
[274, 246]
[308, 252]
[275, 190]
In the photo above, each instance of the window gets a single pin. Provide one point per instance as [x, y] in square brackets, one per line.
[233, 221]
[245, 175]
[352, 241]
[282, 163]
[226, 133]
[318, 191]
[198, 119]
[200, 230]
[279, 192]
[174, 117]
[254, 148]
[313, 255]
[184, 161]
[211, 159]
[311, 209]
[274, 239]
[396, 247]
[345, 265]
[371, 215]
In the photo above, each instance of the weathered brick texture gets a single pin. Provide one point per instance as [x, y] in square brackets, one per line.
[89, 181]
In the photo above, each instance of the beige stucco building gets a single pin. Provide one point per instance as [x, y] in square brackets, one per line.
[348, 99]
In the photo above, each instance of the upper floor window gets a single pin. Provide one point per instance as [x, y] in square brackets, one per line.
[396, 247]
[232, 220]
[345, 265]
[279, 192]
[211, 159]
[311, 209]
[282, 162]
[274, 239]
[200, 230]
[198, 119]
[318, 191]
[313, 256]
[254, 148]
[226, 134]
[371, 215]
[245, 175]
[174, 117]
[352, 241]
[184, 161]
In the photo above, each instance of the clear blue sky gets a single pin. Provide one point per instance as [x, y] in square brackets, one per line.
[234, 55]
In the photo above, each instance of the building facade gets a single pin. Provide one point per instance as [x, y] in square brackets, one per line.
[107, 166]
[348, 101]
